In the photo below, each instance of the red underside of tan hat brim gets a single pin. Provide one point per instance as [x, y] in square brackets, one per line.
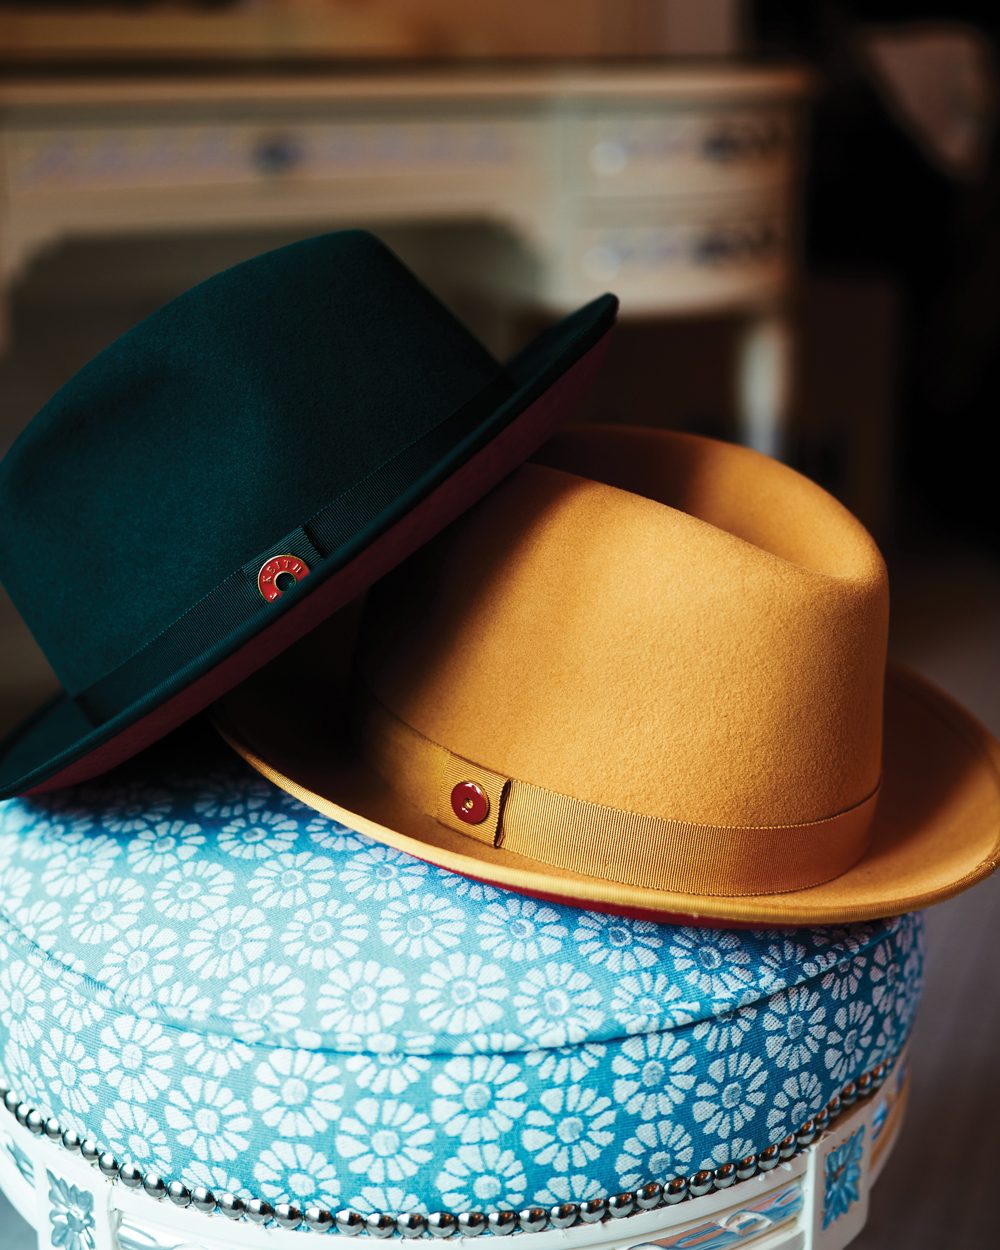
[478, 475]
[935, 833]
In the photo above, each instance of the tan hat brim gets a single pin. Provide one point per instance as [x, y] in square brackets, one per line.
[936, 830]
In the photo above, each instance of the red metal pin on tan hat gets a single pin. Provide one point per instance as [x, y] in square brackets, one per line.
[661, 660]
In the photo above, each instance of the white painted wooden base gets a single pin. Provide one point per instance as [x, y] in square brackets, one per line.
[816, 1201]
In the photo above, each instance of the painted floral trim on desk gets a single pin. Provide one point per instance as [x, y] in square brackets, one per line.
[842, 1177]
[71, 1213]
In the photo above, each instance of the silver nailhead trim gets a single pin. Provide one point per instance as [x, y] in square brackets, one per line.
[444, 1223]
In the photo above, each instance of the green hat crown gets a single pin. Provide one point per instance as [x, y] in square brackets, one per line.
[213, 429]
[302, 404]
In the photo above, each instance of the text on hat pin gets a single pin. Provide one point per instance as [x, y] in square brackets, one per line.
[279, 574]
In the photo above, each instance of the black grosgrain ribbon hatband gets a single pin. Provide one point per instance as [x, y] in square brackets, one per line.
[330, 539]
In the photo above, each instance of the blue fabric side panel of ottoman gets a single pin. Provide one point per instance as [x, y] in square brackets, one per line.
[222, 985]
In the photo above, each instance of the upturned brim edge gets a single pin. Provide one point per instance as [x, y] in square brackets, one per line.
[936, 830]
[70, 750]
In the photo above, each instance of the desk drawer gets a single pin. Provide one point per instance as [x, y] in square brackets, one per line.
[139, 157]
[684, 151]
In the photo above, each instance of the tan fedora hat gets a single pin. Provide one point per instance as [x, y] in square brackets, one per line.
[646, 674]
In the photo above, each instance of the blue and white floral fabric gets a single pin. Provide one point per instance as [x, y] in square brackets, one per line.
[221, 985]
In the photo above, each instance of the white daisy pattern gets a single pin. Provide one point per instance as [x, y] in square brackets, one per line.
[216, 1178]
[298, 1093]
[557, 1004]
[206, 976]
[482, 1177]
[777, 966]
[728, 1152]
[732, 1095]
[461, 994]
[645, 1002]
[70, 1072]
[885, 974]
[569, 1128]
[258, 833]
[179, 1003]
[107, 908]
[520, 929]
[291, 879]
[325, 934]
[326, 834]
[712, 961]
[213, 1054]
[799, 1098]
[79, 865]
[224, 796]
[381, 873]
[727, 1030]
[847, 1040]
[41, 922]
[620, 944]
[912, 981]
[385, 1140]
[22, 1073]
[363, 997]
[570, 1189]
[163, 846]
[479, 1098]
[135, 806]
[845, 977]
[567, 1064]
[265, 1001]
[14, 884]
[140, 961]
[474, 891]
[386, 1071]
[74, 1005]
[195, 888]
[420, 924]
[45, 838]
[486, 1043]
[655, 1073]
[132, 1133]
[227, 941]
[22, 1002]
[658, 1151]
[209, 1120]
[795, 1021]
[135, 1058]
[297, 1172]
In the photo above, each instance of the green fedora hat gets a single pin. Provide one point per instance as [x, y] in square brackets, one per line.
[240, 465]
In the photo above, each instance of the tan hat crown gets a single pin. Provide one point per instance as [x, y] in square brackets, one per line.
[656, 658]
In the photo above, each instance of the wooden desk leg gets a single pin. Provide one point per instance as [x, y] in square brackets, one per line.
[764, 376]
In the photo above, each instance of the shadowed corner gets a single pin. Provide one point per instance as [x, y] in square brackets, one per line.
[26, 678]
[17, 1233]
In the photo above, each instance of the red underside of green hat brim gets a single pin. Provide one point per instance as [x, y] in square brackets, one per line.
[68, 750]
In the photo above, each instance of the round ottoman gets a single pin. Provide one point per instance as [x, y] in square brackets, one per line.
[213, 997]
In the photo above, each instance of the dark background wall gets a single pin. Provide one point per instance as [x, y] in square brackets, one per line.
[876, 207]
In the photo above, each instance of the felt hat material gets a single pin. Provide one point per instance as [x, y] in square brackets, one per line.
[240, 465]
[646, 673]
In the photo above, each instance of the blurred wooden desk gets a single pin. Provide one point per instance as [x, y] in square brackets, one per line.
[674, 187]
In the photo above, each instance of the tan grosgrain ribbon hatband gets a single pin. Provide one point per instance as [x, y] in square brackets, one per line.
[605, 842]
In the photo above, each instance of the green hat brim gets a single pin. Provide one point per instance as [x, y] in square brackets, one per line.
[58, 744]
